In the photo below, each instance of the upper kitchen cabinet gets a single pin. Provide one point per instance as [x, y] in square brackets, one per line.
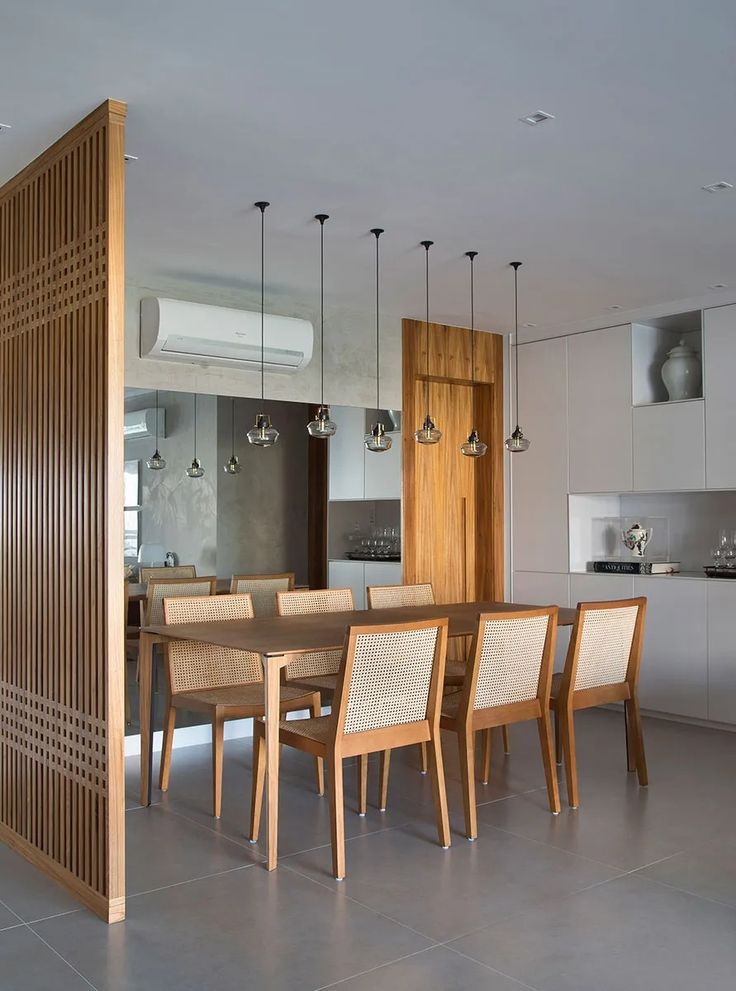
[669, 446]
[539, 476]
[719, 360]
[346, 473]
[599, 375]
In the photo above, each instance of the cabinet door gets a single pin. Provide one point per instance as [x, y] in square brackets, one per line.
[721, 651]
[599, 409]
[382, 573]
[674, 666]
[346, 453]
[600, 588]
[349, 574]
[669, 446]
[539, 475]
[719, 355]
[383, 471]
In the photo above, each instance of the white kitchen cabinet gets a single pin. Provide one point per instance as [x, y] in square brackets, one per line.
[599, 410]
[382, 573]
[669, 446]
[719, 369]
[349, 574]
[346, 462]
[383, 471]
[721, 651]
[674, 666]
[539, 589]
[539, 475]
[600, 588]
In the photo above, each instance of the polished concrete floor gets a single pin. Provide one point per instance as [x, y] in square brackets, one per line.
[636, 890]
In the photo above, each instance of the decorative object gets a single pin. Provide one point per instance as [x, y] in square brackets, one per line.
[682, 373]
[473, 446]
[263, 434]
[156, 462]
[322, 426]
[195, 469]
[232, 466]
[636, 537]
[377, 441]
[428, 432]
[517, 442]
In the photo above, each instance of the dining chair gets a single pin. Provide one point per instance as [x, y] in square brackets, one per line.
[602, 666]
[219, 681]
[388, 694]
[509, 681]
[159, 588]
[178, 571]
[316, 670]
[263, 588]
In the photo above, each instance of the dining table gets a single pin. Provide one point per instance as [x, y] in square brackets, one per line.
[276, 640]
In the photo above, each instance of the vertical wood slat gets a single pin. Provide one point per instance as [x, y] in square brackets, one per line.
[61, 518]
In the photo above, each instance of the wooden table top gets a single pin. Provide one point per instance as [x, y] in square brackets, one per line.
[278, 635]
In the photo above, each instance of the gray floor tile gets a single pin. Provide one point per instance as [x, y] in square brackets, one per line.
[708, 871]
[628, 933]
[167, 849]
[27, 964]
[28, 892]
[436, 969]
[8, 918]
[248, 928]
[443, 893]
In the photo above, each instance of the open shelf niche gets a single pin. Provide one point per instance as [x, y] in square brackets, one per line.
[650, 343]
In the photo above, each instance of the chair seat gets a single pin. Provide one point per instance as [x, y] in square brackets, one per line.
[238, 696]
[556, 685]
[451, 704]
[316, 683]
[314, 730]
[455, 672]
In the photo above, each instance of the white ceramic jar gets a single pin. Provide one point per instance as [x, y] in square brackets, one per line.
[682, 372]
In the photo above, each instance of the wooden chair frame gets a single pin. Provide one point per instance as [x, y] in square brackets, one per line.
[148, 574]
[338, 745]
[289, 576]
[183, 582]
[568, 699]
[467, 720]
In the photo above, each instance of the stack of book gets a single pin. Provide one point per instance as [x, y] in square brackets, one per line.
[619, 567]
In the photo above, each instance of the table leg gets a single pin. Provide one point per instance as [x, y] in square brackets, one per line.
[272, 680]
[145, 717]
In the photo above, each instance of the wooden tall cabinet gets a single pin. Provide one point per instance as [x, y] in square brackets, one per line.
[453, 505]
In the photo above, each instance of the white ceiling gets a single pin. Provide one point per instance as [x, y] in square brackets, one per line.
[403, 114]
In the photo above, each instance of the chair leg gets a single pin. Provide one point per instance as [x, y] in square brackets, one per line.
[630, 748]
[337, 816]
[362, 784]
[571, 763]
[558, 741]
[544, 724]
[467, 776]
[487, 744]
[439, 792]
[315, 709]
[257, 783]
[633, 721]
[506, 743]
[218, 744]
[383, 777]
[423, 757]
[168, 740]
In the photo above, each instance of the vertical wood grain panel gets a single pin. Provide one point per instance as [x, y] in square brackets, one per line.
[61, 520]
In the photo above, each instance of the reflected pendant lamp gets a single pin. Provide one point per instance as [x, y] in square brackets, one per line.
[473, 446]
[322, 426]
[156, 462]
[195, 469]
[428, 432]
[377, 440]
[232, 466]
[262, 433]
[517, 442]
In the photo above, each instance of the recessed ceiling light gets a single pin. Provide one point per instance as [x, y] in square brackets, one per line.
[5, 127]
[130, 158]
[528, 325]
[613, 306]
[717, 187]
[718, 285]
[538, 117]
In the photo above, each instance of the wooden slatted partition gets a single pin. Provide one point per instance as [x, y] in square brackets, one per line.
[61, 525]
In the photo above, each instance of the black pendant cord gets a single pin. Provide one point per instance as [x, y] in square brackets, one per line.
[472, 255]
[426, 245]
[262, 204]
[322, 217]
[377, 231]
[195, 426]
[516, 266]
[156, 421]
[232, 428]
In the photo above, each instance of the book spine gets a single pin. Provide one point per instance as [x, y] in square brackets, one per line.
[621, 567]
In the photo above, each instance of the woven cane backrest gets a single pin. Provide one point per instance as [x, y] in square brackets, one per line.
[300, 603]
[263, 589]
[511, 655]
[395, 596]
[390, 679]
[145, 575]
[606, 639]
[196, 666]
[160, 590]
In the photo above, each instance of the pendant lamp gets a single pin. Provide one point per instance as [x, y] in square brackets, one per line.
[195, 469]
[473, 446]
[428, 432]
[156, 462]
[322, 426]
[233, 465]
[377, 441]
[517, 442]
[262, 434]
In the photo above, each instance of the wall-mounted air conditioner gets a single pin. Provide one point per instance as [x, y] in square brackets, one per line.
[142, 423]
[176, 330]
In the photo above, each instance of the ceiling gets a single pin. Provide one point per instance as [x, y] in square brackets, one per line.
[404, 114]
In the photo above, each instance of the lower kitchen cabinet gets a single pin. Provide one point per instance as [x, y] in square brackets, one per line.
[721, 651]
[356, 575]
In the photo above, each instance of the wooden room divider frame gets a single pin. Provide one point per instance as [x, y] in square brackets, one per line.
[61, 511]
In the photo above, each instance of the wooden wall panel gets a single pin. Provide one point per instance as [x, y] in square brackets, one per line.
[61, 456]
